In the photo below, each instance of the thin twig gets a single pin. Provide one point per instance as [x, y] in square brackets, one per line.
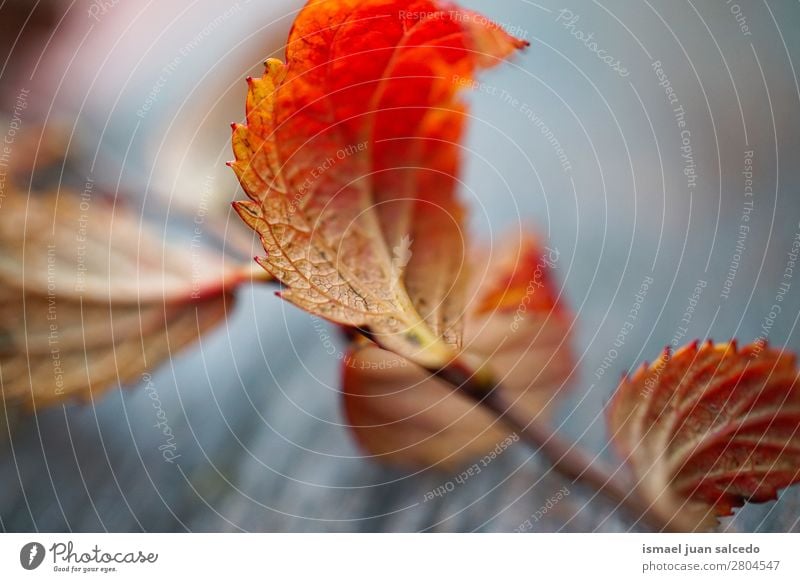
[567, 459]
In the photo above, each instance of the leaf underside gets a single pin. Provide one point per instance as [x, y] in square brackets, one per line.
[90, 299]
[711, 427]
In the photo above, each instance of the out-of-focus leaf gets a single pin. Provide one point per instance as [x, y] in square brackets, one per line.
[710, 427]
[402, 414]
[90, 298]
[350, 155]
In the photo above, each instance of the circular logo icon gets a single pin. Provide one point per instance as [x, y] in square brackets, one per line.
[31, 555]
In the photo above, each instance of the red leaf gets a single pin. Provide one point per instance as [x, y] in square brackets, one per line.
[351, 152]
[709, 428]
[403, 415]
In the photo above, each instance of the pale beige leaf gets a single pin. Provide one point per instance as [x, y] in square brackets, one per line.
[90, 298]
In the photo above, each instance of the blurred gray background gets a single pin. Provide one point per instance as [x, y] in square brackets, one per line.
[560, 142]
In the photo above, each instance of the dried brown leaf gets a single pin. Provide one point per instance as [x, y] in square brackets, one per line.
[89, 298]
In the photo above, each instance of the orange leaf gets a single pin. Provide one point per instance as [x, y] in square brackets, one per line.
[89, 298]
[402, 414]
[709, 428]
[349, 156]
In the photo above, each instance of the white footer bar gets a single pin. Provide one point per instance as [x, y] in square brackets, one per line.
[401, 557]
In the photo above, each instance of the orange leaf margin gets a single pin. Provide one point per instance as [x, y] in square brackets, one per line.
[350, 152]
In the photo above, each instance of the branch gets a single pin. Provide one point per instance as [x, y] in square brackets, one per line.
[567, 459]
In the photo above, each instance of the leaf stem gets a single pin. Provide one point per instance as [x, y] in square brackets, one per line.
[568, 459]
